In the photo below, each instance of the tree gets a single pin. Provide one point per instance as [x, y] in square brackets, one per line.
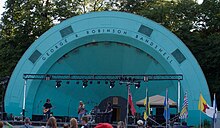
[22, 23]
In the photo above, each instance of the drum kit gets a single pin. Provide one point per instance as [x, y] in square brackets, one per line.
[96, 116]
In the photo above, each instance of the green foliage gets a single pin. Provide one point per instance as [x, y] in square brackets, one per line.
[197, 26]
[22, 23]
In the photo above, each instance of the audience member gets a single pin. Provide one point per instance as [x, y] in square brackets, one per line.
[73, 123]
[184, 124]
[65, 125]
[1, 124]
[84, 122]
[121, 124]
[27, 123]
[104, 125]
[140, 124]
[51, 123]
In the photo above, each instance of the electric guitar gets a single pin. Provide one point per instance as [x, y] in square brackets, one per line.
[47, 109]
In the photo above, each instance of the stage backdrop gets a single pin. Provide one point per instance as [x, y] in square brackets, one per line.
[104, 43]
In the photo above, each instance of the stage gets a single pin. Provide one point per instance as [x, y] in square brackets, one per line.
[39, 124]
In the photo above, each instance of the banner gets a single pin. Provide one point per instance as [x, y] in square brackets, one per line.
[205, 108]
[184, 111]
[166, 112]
[133, 111]
[147, 106]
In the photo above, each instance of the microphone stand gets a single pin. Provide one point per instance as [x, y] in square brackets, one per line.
[69, 109]
[38, 106]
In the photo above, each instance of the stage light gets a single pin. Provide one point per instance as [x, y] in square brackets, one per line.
[133, 79]
[85, 83]
[146, 78]
[58, 83]
[112, 84]
[48, 77]
[137, 85]
[120, 78]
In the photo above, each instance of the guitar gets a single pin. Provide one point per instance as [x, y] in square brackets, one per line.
[81, 110]
[47, 109]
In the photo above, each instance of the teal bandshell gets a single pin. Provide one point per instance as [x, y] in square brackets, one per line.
[104, 43]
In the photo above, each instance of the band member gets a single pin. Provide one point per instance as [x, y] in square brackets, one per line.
[81, 111]
[108, 112]
[47, 108]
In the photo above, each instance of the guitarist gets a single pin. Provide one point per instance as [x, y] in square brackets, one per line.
[81, 111]
[47, 108]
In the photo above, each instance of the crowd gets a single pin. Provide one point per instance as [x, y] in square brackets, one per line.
[52, 123]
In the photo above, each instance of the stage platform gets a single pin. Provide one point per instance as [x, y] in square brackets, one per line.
[39, 124]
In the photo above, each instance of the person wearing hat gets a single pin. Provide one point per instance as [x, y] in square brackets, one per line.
[140, 124]
[27, 123]
[104, 125]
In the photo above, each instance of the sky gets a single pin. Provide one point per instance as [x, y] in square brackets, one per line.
[1, 6]
[3, 1]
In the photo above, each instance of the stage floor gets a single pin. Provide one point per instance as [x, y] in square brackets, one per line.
[39, 124]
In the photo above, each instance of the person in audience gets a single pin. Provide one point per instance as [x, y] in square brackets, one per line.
[65, 125]
[51, 123]
[85, 122]
[27, 123]
[1, 124]
[184, 124]
[140, 124]
[104, 125]
[73, 123]
[121, 124]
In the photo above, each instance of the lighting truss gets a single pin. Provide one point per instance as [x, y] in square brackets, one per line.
[126, 77]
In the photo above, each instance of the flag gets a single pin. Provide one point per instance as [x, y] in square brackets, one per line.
[205, 108]
[202, 104]
[166, 112]
[214, 105]
[184, 111]
[147, 106]
[133, 111]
